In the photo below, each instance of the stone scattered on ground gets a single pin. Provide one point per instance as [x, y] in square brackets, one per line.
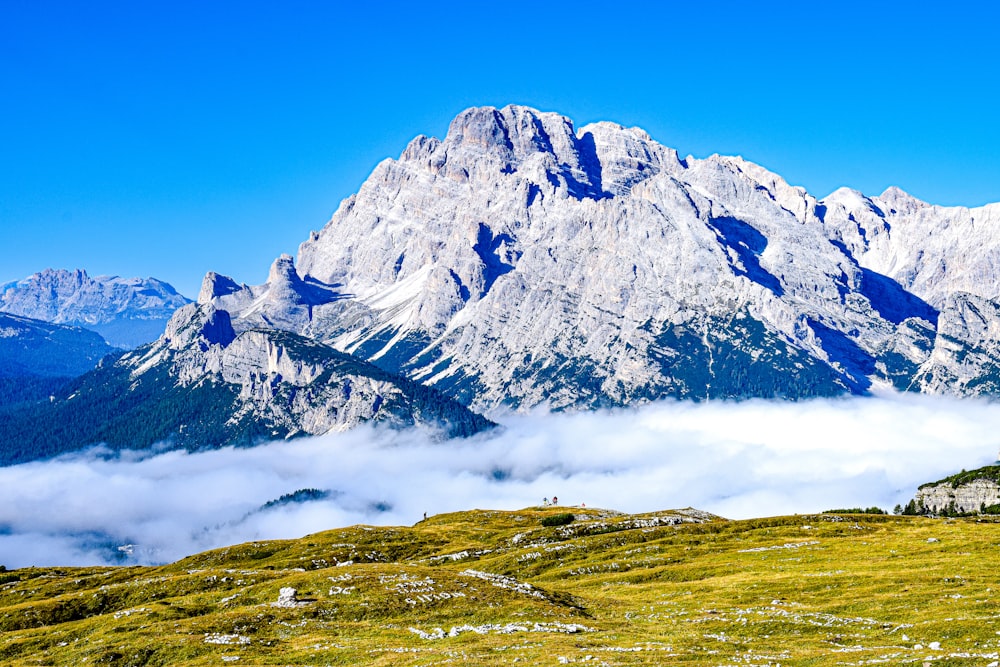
[288, 599]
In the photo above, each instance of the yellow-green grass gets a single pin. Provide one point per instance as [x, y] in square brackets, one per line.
[607, 588]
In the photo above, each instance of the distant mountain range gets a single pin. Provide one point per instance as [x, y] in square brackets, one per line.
[127, 312]
[522, 262]
[204, 386]
[57, 324]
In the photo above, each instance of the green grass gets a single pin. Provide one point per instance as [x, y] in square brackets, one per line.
[989, 473]
[637, 589]
[558, 519]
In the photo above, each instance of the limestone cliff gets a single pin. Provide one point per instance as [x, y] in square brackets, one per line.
[523, 261]
[965, 492]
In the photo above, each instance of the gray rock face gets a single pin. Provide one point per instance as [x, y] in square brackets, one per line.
[204, 385]
[969, 497]
[127, 312]
[931, 251]
[290, 383]
[965, 359]
[521, 261]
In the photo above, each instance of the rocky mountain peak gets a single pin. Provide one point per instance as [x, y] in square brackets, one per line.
[521, 142]
[897, 202]
[60, 277]
[215, 285]
[198, 326]
[849, 199]
[627, 156]
[518, 129]
[521, 260]
[283, 282]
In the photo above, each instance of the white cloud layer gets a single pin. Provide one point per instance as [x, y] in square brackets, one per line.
[754, 458]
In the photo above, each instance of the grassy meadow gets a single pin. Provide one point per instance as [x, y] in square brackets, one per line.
[496, 588]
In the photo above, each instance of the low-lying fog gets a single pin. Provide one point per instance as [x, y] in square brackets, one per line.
[754, 458]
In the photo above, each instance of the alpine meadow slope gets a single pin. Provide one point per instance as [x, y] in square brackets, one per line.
[495, 588]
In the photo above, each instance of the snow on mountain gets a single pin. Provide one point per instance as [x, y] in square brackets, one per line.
[126, 311]
[931, 251]
[521, 261]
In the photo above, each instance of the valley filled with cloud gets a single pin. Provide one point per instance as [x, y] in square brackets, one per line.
[736, 459]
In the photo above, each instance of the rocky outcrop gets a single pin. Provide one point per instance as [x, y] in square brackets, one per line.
[295, 384]
[521, 261]
[970, 497]
[965, 358]
[288, 598]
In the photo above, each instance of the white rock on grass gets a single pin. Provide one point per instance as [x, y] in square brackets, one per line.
[288, 598]
[503, 629]
[220, 638]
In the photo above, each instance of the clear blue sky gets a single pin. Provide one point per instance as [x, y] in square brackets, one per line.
[173, 138]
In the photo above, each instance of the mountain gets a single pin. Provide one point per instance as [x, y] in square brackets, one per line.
[521, 261]
[33, 347]
[127, 312]
[39, 357]
[202, 385]
[497, 587]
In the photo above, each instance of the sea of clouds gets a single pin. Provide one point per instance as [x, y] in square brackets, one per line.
[736, 459]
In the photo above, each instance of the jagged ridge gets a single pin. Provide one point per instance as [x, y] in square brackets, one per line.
[203, 386]
[521, 261]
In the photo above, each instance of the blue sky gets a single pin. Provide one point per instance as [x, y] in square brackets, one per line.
[173, 138]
